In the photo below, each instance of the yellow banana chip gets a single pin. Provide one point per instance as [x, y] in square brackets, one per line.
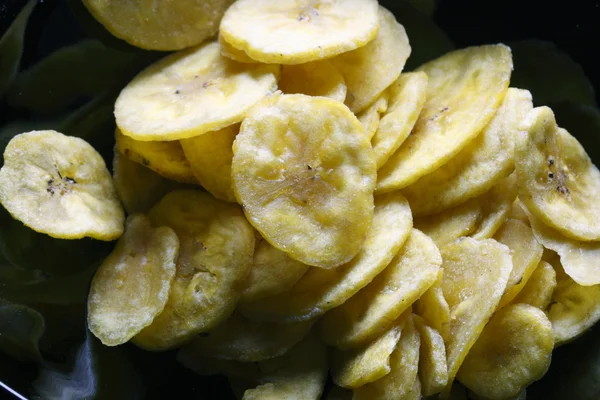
[526, 254]
[539, 288]
[320, 290]
[132, 285]
[296, 32]
[304, 172]
[231, 52]
[164, 158]
[215, 255]
[371, 311]
[209, 157]
[475, 276]
[317, 78]
[557, 181]
[243, 340]
[479, 166]
[370, 69]
[451, 224]
[517, 212]
[513, 351]
[59, 185]
[433, 370]
[496, 205]
[404, 363]
[272, 272]
[407, 98]
[190, 93]
[464, 92]
[433, 307]
[370, 117]
[159, 26]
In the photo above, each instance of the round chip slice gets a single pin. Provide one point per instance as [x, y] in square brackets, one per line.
[215, 255]
[157, 25]
[539, 288]
[59, 185]
[558, 182]
[370, 117]
[304, 172]
[464, 92]
[317, 78]
[496, 204]
[190, 93]
[132, 285]
[231, 52]
[433, 370]
[479, 166]
[370, 69]
[296, 32]
[513, 351]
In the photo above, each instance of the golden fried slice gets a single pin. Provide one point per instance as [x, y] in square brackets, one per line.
[513, 351]
[209, 157]
[215, 255]
[465, 89]
[407, 98]
[320, 290]
[517, 211]
[479, 166]
[317, 78]
[370, 117]
[304, 172]
[496, 204]
[539, 288]
[370, 312]
[433, 307]
[558, 183]
[234, 54]
[433, 370]
[132, 285]
[191, 92]
[159, 26]
[296, 32]
[370, 69]
[59, 185]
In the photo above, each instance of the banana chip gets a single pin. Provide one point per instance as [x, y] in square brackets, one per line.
[517, 212]
[464, 92]
[304, 172]
[451, 224]
[433, 370]
[433, 307]
[215, 255]
[164, 158]
[59, 185]
[132, 285]
[231, 52]
[209, 157]
[496, 205]
[479, 166]
[513, 351]
[370, 117]
[370, 69]
[317, 78]
[404, 363]
[370, 312]
[407, 98]
[320, 290]
[557, 181]
[475, 276]
[243, 340]
[190, 93]
[293, 32]
[539, 288]
[157, 25]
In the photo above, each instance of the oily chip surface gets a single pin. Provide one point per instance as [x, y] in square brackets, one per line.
[59, 185]
[296, 32]
[464, 91]
[191, 92]
[317, 78]
[304, 172]
[132, 285]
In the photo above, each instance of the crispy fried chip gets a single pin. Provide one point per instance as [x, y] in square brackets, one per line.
[433, 307]
[451, 224]
[404, 363]
[433, 370]
[215, 255]
[479, 166]
[304, 172]
[190, 93]
[370, 117]
[293, 32]
[496, 204]
[539, 288]
[132, 285]
[517, 211]
[371, 311]
[557, 181]
[320, 290]
[231, 52]
[464, 92]
[406, 100]
[513, 351]
[59, 185]
[209, 156]
[370, 69]
[317, 78]
[475, 276]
